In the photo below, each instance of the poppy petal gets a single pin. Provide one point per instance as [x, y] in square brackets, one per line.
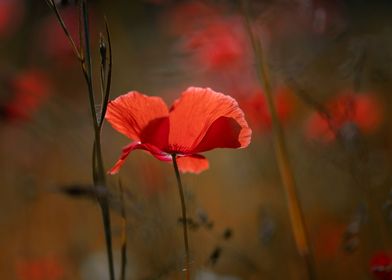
[132, 112]
[223, 126]
[196, 111]
[192, 164]
[156, 152]
[156, 132]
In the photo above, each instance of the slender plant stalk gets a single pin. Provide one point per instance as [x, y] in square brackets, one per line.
[53, 6]
[123, 235]
[100, 178]
[108, 81]
[184, 218]
[83, 54]
[286, 171]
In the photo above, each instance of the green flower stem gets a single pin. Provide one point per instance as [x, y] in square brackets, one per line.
[184, 218]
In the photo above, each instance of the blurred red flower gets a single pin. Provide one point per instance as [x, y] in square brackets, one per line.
[39, 269]
[11, 14]
[219, 45]
[362, 111]
[256, 108]
[187, 16]
[381, 266]
[199, 121]
[54, 42]
[29, 90]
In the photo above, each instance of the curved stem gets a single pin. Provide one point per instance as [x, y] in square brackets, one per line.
[184, 218]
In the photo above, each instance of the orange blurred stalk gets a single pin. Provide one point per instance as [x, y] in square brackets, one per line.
[285, 168]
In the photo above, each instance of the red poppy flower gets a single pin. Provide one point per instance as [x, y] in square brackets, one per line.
[39, 269]
[256, 108]
[361, 111]
[199, 121]
[29, 90]
[381, 266]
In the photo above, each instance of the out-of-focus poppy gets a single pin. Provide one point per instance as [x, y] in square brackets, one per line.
[28, 91]
[11, 14]
[40, 269]
[221, 44]
[55, 43]
[199, 121]
[52, 40]
[187, 16]
[346, 113]
[256, 108]
[381, 266]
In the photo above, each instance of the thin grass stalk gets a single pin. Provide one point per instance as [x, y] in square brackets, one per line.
[123, 235]
[99, 177]
[108, 82]
[186, 268]
[286, 171]
[53, 6]
[87, 65]
[102, 72]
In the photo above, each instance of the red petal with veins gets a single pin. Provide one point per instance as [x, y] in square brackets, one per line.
[213, 138]
[156, 133]
[131, 113]
[193, 117]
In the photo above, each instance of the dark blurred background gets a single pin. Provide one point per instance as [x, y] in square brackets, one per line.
[323, 56]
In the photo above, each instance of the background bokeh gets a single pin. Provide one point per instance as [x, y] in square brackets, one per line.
[317, 51]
